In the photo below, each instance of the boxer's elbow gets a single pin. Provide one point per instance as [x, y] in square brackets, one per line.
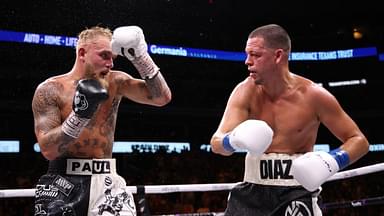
[164, 99]
[364, 145]
[49, 155]
[217, 147]
[357, 147]
[361, 143]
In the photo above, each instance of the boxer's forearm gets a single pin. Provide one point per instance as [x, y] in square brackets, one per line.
[54, 143]
[159, 90]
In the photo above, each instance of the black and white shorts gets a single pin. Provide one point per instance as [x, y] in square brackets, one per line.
[83, 187]
[270, 189]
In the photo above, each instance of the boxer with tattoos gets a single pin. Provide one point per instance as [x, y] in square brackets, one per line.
[75, 118]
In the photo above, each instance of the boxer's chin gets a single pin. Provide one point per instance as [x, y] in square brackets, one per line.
[103, 81]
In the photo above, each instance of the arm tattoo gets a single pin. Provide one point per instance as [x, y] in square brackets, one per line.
[157, 86]
[47, 116]
[61, 140]
[45, 107]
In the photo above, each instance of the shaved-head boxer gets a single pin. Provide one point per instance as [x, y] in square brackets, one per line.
[275, 115]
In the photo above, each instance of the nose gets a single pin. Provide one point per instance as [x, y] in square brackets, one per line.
[248, 61]
[109, 64]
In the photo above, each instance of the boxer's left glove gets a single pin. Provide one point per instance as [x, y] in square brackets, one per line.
[129, 41]
[88, 95]
[313, 168]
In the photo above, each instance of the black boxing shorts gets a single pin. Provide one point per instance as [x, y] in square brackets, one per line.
[269, 189]
[79, 187]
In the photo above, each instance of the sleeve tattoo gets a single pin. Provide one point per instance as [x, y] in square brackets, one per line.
[157, 86]
[47, 117]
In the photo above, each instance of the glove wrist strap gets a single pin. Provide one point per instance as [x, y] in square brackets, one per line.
[73, 125]
[227, 145]
[341, 157]
[146, 66]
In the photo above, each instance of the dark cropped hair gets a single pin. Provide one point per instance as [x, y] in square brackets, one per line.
[275, 36]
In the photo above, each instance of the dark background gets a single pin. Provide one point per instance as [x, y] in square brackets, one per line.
[200, 86]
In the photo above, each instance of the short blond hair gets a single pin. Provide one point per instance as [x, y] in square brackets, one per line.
[90, 34]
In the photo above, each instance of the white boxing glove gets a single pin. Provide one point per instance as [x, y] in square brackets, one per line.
[252, 135]
[312, 169]
[129, 41]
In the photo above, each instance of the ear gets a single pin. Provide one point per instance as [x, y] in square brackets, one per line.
[81, 53]
[279, 53]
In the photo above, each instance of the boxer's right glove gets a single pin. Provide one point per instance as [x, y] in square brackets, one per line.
[88, 95]
[313, 168]
[252, 135]
[129, 41]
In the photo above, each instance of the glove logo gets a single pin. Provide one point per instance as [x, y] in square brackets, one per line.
[132, 52]
[297, 208]
[81, 102]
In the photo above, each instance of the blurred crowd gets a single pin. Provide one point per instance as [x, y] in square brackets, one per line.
[192, 167]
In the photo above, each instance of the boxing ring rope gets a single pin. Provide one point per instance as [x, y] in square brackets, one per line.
[161, 189]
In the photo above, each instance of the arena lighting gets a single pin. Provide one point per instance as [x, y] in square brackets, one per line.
[357, 33]
[143, 147]
[150, 147]
[333, 55]
[13, 146]
[317, 147]
[376, 147]
[9, 146]
[56, 40]
[381, 57]
[347, 83]
[196, 53]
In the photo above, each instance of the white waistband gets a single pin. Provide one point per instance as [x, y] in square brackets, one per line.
[270, 169]
[90, 166]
